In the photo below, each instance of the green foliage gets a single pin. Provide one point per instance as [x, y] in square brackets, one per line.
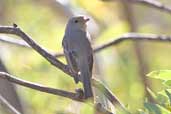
[152, 108]
[162, 98]
[156, 109]
[169, 95]
[161, 74]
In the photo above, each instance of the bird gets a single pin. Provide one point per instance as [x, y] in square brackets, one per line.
[78, 51]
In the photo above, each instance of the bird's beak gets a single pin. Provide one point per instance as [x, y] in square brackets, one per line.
[86, 19]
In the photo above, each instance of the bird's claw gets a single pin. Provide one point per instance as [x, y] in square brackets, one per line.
[80, 93]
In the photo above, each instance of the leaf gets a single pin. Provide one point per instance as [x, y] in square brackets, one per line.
[167, 83]
[152, 108]
[156, 109]
[169, 95]
[161, 74]
[162, 98]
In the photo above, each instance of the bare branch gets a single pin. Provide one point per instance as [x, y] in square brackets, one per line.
[133, 36]
[59, 54]
[49, 57]
[150, 3]
[39, 87]
[66, 94]
[13, 41]
[5, 103]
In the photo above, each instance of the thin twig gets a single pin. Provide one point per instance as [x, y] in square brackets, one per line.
[133, 37]
[4, 102]
[150, 3]
[59, 54]
[13, 41]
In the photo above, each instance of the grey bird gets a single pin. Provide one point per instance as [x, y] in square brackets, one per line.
[78, 51]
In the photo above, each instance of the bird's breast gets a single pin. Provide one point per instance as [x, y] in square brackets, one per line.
[78, 40]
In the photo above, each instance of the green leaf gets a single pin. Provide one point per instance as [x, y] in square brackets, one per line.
[169, 95]
[156, 109]
[152, 108]
[162, 98]
[161, 74]
[167, 83]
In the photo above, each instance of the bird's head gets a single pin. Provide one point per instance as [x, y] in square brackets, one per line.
[77, 23]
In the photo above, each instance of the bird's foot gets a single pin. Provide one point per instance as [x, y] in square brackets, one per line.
[80, 93]
[68, 68]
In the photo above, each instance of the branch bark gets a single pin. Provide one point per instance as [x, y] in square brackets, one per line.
[13, 41]
[5, 103]
[151, 3]
[71, 95]
[133, 37]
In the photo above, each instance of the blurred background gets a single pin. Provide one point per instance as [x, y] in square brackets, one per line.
[122, 68]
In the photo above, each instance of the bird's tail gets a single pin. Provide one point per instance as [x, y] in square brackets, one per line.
[86, 78]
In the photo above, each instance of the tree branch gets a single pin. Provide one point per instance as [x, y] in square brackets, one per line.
[4, 102]
[66, 94]
[134, 37]
[13, 41]
[49, 57]
[71, 95]
[151, 3]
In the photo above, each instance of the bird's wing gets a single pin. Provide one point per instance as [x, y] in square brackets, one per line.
[90, 54]
[90, 62]
[70, 56]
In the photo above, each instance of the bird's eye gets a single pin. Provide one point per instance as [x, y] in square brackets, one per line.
[76, 21]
